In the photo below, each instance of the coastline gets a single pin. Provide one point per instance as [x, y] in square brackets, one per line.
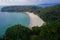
[35, 20]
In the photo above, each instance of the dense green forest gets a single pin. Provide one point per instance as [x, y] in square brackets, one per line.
[50, 14]
[34, 9]
[50, 31]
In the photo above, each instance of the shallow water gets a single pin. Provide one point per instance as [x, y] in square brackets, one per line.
[8, 19]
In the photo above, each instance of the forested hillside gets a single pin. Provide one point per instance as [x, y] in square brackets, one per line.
[34, 9]
[50, 14]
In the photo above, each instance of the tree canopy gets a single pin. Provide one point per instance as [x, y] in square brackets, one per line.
[50, 14]
[18, 32]
[50, 31]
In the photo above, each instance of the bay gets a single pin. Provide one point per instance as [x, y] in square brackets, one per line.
[8, 19]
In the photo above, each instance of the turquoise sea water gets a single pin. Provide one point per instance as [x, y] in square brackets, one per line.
[8, 19]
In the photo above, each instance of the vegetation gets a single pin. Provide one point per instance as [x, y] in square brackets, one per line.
[18, 32]
[34, 9]
[50, 31]
[47, 32]
[50, 14]
[36, 30]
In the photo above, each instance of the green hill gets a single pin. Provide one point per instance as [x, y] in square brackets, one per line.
[34, 9]
[50, 14]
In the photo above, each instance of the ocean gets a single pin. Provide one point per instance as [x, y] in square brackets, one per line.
[8, 19]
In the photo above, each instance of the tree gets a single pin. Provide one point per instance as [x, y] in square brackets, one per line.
[50, 31]
[34, 37]
[18, 32]
[35, 30]
[50, 14]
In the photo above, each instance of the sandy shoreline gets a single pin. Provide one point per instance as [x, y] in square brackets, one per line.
[35, 20]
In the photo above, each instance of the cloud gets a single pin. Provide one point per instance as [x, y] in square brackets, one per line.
[18, 2]
[26, 2]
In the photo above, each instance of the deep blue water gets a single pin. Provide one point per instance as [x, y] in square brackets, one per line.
[47, 4]
[8, 19]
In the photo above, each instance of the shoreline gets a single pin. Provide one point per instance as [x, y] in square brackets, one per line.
[35, 20]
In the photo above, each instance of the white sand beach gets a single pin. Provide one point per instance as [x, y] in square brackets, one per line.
[35, 20]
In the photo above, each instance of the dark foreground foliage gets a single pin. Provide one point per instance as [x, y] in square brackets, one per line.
[50, 31]
[47, 32]
[18, 32]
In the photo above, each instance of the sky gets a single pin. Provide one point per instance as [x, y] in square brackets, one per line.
[27, 2]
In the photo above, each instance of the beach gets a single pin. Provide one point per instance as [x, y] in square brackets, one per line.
[35, 20]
